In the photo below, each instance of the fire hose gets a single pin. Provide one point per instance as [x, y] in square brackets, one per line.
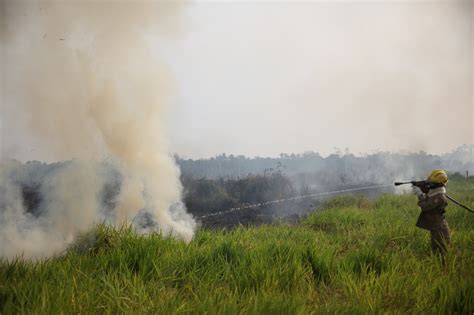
[459, 204]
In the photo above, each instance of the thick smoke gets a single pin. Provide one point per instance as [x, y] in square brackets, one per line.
[80, 85]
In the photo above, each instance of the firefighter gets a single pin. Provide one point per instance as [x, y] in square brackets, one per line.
[433, 204]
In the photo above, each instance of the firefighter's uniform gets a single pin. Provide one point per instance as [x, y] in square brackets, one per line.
[433, 205]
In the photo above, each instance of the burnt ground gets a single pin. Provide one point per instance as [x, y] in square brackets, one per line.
[289, 212]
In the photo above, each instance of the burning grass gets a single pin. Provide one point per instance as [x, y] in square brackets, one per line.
[353, 256]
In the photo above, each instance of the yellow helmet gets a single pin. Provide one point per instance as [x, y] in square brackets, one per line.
[438, 176]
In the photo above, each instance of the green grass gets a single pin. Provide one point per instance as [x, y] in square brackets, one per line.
[354, 256]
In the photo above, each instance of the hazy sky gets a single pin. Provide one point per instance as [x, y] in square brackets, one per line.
[261, 78]
[252, 78]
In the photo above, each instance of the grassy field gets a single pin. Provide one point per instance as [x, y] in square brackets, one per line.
[353, 256]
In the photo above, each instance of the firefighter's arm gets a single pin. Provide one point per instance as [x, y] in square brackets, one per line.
[421, 195]
[431, 203]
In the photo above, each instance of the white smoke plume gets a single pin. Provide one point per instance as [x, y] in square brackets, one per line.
[79, 84]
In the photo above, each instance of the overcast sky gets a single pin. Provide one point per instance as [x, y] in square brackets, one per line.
[261, 78]
[251, 78]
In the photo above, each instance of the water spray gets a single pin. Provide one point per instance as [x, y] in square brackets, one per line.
[222, 212]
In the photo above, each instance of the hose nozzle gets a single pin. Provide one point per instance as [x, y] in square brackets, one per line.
[401, 183]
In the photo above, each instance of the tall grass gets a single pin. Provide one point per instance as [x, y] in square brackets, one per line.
[353, 256]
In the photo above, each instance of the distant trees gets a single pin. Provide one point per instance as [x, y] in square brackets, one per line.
[343, 165]
[206, 195]
[226, 181]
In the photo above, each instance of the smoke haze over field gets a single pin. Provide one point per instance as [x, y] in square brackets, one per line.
[103, 84]
[80, 83]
